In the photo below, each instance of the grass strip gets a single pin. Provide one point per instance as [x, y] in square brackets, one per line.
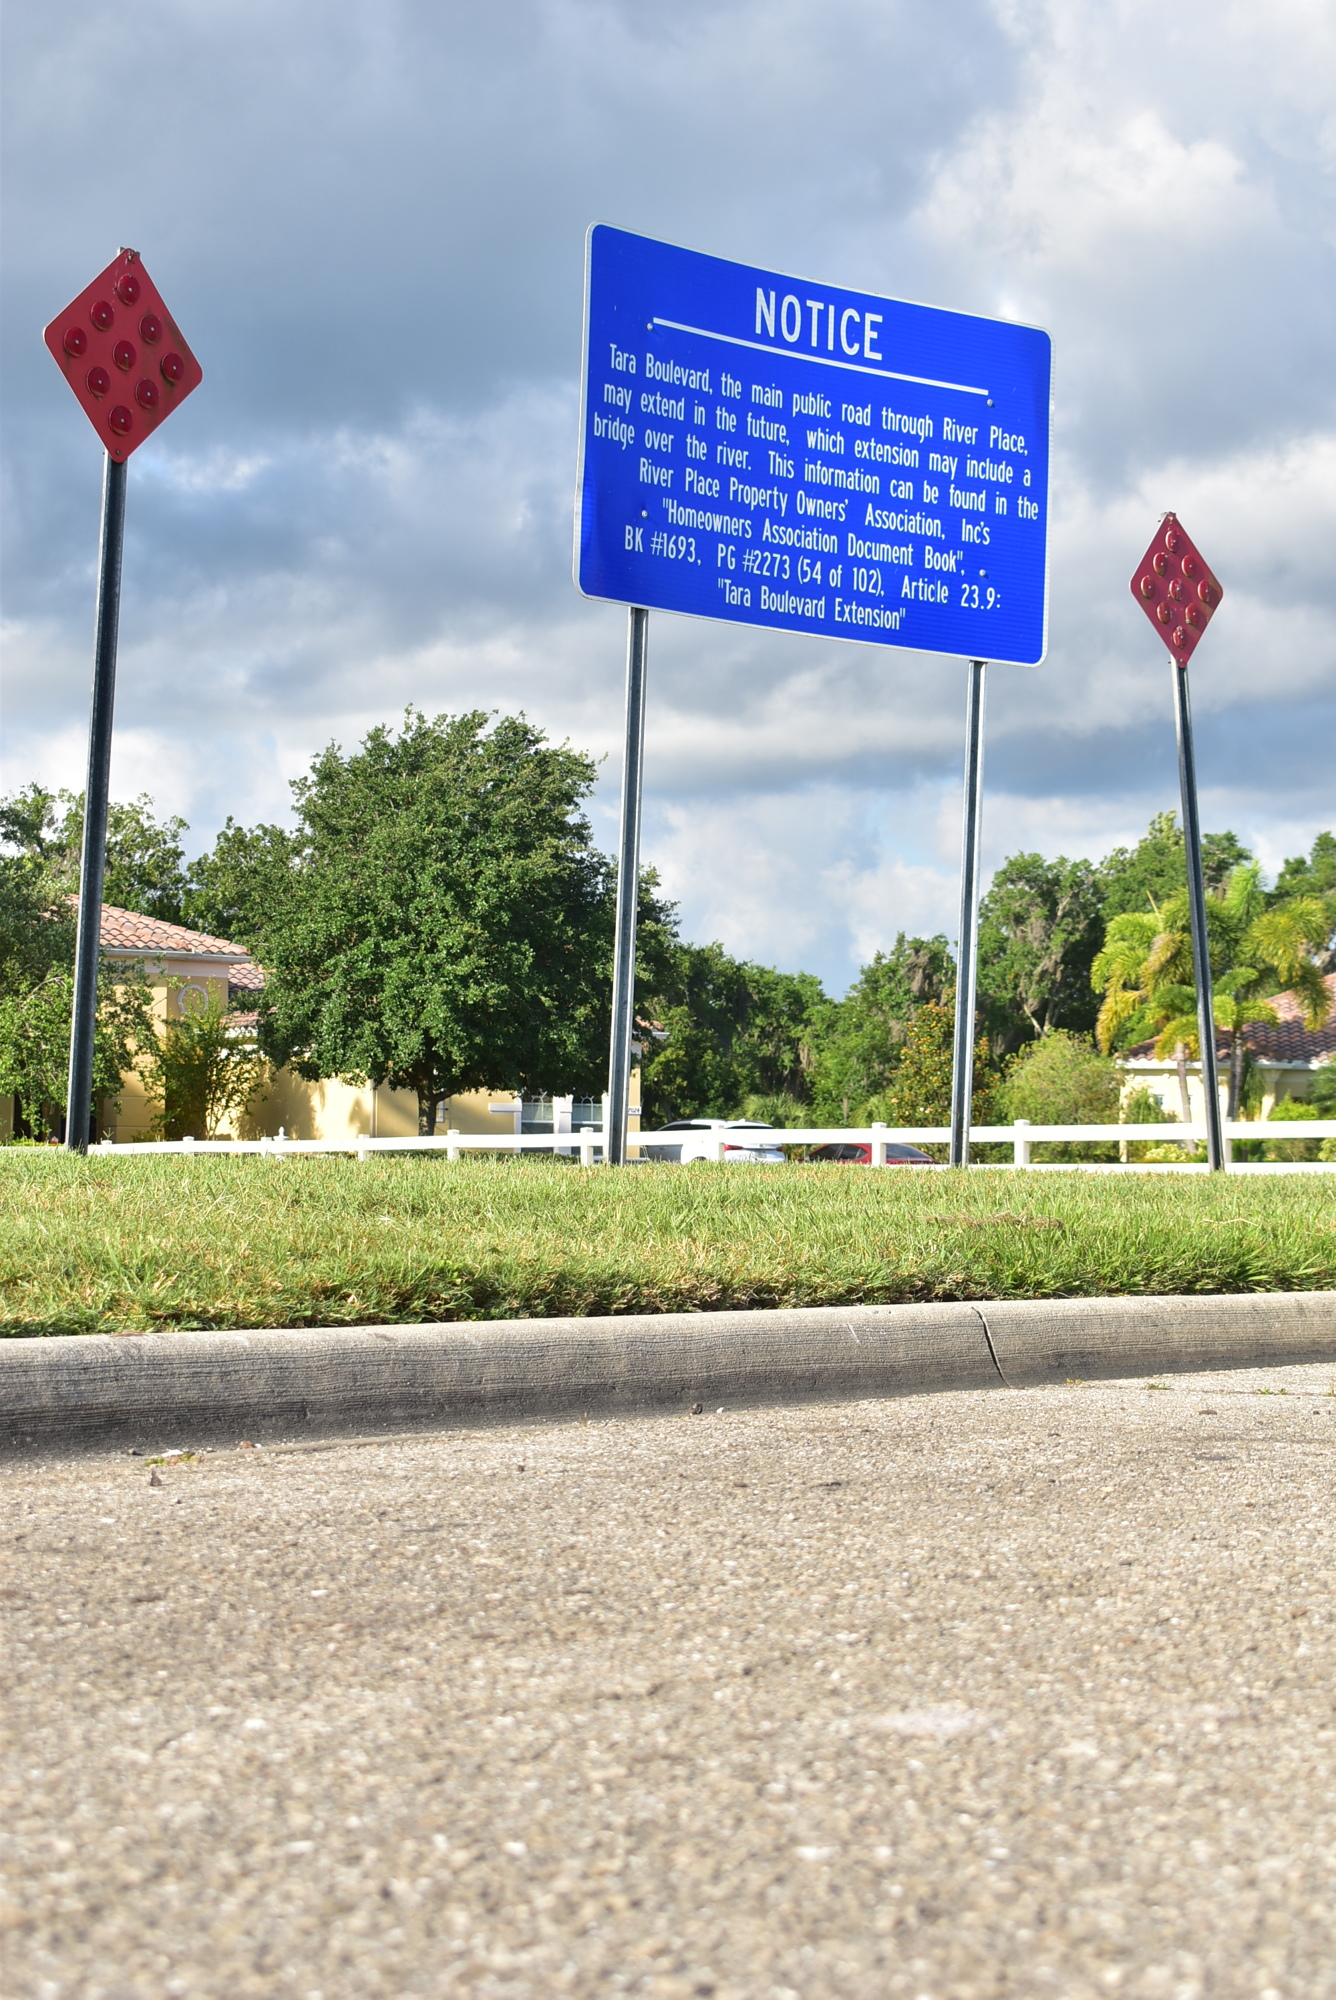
[125, 1245]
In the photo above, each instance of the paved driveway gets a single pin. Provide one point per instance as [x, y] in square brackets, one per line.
[1022, 1694]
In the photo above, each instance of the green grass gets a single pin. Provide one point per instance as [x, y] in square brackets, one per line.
[102, 1246]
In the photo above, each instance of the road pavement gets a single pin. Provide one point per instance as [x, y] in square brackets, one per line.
[953, 1697]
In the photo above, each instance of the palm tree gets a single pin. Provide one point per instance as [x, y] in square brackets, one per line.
[1118, 971]
[1236, 1010]
[1146, 973]
[1145, 970]
[1289, 939]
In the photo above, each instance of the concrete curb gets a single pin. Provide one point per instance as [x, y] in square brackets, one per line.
[193, 1388]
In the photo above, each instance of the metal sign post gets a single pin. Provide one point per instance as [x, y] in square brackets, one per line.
[93, 858]
[628, 885]
[116, 334]
[962, 1064]
[1180, 595]
[773, 451]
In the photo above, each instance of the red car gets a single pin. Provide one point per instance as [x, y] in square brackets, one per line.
[856, 1154]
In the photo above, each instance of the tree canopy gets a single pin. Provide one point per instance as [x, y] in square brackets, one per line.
[145, 868]
[437, 919]
[1135, 878]
[1256, 948]
[443, 922]
[862, 1038]
[724, 1031]
[37, 930]
[1040, 925]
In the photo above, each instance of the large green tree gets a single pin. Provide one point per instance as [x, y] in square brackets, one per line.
[444, 922]
[919, 1092]
[232, 890]
[1314, 876]
[145, 860]
[1136, 878]
[35, 1041]
[860, 1039]
[37, 925]
[1040, 926]
[37, 928]
[726, 1031]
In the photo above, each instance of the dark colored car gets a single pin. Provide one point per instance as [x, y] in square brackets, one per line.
[852, 1154]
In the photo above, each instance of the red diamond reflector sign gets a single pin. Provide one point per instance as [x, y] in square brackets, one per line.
[123, 355]
[1175, 589]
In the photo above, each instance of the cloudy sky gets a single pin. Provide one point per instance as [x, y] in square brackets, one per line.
[369, 222]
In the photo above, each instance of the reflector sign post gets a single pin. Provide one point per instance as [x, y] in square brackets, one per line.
[1176, 589]
[128, 364]
[1180, 595]
[123, 355]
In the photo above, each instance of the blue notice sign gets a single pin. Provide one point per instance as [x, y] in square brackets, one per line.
[776, 452]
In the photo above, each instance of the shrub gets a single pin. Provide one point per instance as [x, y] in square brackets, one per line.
[206, 1068]
[919, 1092]
[1062, 1080]
[777, 1108]
[1287, 1110]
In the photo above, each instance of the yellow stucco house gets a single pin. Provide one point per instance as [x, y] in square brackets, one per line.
[186, 967]
[1286, 1055]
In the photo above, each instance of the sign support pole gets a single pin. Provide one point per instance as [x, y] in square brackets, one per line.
[628, 886]
[962, 1066]
[1201, 958]
[78, 1107]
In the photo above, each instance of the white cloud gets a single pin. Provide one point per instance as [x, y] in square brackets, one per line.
[374, 239]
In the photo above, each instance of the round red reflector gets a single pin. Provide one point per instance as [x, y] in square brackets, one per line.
[1160, 563]
[1192, 616]
[98, 381]
[1205, 592]
[1147, 587]
[121, 420]
[1163, 613]
[1173, 541]
[1176, 591]
[1189, 565]
[123, 354]
[146, 395]
[102, 315]
[128, 288]
[1180, 636]
[173, 367]
[76, 341]
[150, 328]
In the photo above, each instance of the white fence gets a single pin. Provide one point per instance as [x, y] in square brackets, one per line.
[587, 1143]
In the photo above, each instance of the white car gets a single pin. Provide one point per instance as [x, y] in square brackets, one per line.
[697, 1134]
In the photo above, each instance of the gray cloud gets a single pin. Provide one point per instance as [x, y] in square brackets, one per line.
[370, 224]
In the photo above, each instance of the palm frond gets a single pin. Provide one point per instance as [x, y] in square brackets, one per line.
[1182, 1031]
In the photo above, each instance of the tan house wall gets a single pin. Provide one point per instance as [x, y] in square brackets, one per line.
[334, 1110]
[134, 1119]
[329, 1110]
[1278, 1081]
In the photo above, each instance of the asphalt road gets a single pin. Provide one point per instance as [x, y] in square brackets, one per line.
[961, 1696]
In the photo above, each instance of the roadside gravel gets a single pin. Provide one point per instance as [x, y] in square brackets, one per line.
[967, 1696]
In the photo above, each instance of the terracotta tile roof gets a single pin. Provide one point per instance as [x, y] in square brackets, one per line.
[126, 932]
[1289, 1041]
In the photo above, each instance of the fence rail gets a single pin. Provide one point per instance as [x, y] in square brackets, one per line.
[587, 1143]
